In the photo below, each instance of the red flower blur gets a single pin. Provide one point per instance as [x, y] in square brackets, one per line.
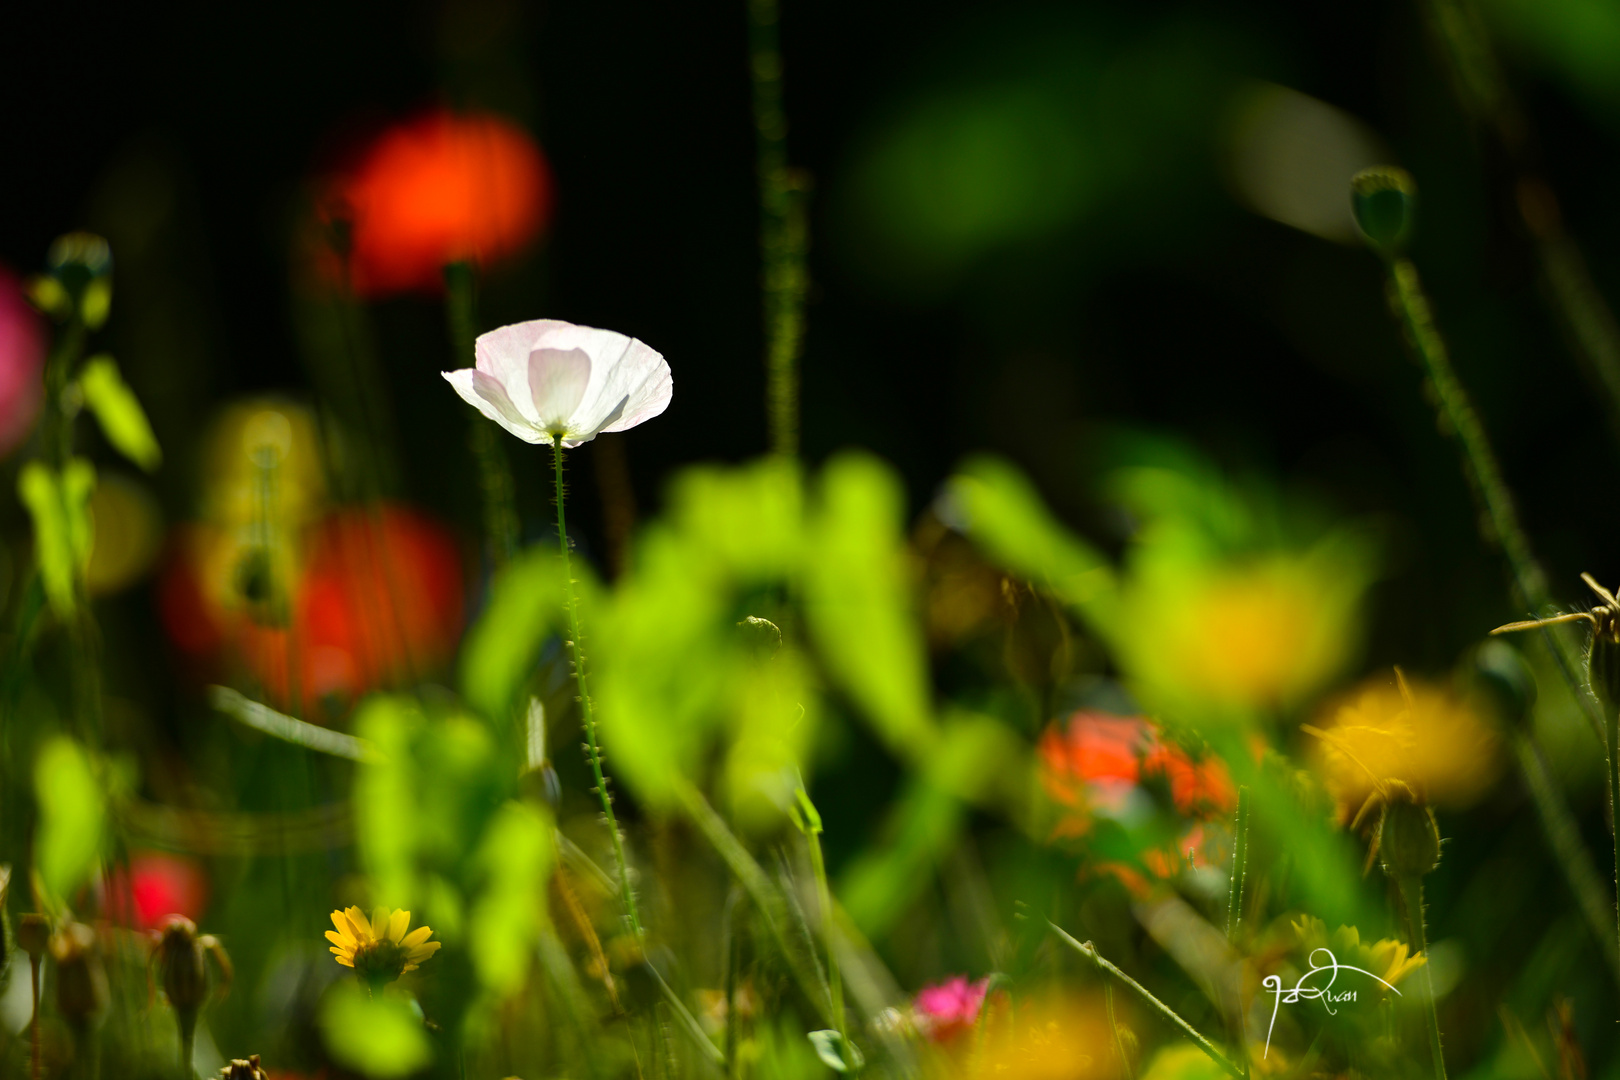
[377, 600]
[22, 363]
[155, 887]
[438, 189]
[1094, 764]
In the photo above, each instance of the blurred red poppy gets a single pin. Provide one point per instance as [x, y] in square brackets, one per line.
[22, 363]
[155, 887]
[1093, 760]
[439, 189]
[377, 600]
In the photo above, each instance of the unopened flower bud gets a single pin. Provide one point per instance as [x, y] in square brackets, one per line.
[81, 982]
[1408, 839]
[761, 638]
[1383, 200]
[34, 934]
[185, 970]
[79, 280]
[239, 1069]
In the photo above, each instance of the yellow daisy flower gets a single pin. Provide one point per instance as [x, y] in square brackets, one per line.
[379, 949]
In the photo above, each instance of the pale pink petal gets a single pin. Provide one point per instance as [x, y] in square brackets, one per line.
[557, 379]
[486, 395]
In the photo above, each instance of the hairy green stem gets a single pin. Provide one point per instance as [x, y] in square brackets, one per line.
[1240, 865]
[494, 471]
[809, 821]
[783, 231]
[1411, 308]
[1089, 951]
[1412, 897]
[587, 711]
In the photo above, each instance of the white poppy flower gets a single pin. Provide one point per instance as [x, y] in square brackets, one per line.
[544, 380]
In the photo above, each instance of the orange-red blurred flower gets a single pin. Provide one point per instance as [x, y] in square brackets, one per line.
[156, 886]
[1095, 764]
[377, 599]
[438, 189]
[22, 363]
[1094, 760]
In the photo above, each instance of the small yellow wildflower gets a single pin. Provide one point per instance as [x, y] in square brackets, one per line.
[1405, 732]
[379, 949]
[1388, 959]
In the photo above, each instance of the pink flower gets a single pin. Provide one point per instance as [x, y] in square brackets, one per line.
[952, 1007]
[22, 363]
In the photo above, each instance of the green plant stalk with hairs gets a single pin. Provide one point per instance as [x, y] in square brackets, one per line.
[808, 820]
[1411, 886]
[1411, 308]
[593, 751]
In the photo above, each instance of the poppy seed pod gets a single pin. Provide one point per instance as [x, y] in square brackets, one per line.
[1408, 839]
[81, 981]
[1383, 200]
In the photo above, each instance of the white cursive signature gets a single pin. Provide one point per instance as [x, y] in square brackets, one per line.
[1323, 993]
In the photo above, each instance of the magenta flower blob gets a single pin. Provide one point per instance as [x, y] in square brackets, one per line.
[22, 363]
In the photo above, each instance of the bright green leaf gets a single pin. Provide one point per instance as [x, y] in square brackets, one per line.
[72, 818]
[838, 1054]
[385, 797]
[118, 412]
[525, 607]
[858, 596]
[1001, 511]
[378, 1036]
[516, 854]
[60, 510]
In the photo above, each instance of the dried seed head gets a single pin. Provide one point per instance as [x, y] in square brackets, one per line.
[239, 1069]
[34, 934]
[81, 981]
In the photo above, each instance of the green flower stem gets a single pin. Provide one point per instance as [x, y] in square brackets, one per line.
[1411, 308]
[1565, 836]
[783, 231]
[1125, 1069]
[494, 471]
[33, 1021]
[751, 876]
[808, 819]
[188, 1039]
[1412, 896]
[1240, 865]
[593, 752]
[1089, 951]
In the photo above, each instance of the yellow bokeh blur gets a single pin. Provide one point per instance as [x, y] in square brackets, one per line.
[1057, 1037]
[1406, 731]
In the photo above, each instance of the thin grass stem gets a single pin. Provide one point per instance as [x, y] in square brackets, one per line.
[1089, 951]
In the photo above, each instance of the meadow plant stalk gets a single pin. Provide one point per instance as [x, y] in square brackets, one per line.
[783, 231]
[1411, 886]
[1089, 951]
[1240, 865]
[593, 751]
[1411, 307]
[808, 819]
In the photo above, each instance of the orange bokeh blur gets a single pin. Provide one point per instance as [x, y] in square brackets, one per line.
[377, 601]
[438, 189]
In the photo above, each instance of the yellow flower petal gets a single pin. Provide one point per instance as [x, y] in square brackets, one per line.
[345, 961]
[357, 921]
[379, 923]
[416, 937]
[398, 924]
[342, 924]
[422, 952]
